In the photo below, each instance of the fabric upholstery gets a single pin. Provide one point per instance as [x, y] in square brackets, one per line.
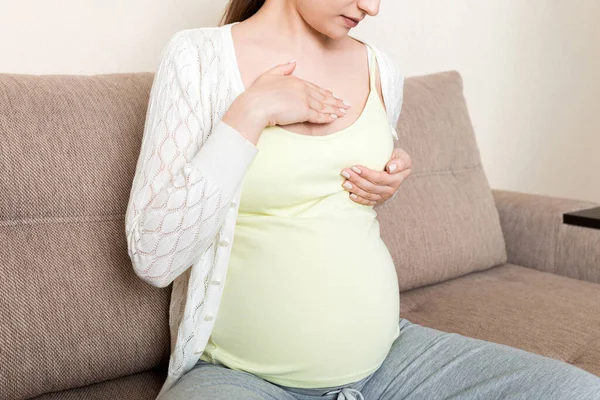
[537, 311]
[78, 324]
[142, 386]
[73, 312]
[443, 222]
[536, 236]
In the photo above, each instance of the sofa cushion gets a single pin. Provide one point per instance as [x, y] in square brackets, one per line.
[142, 386]
[73, 311]
[536, 311]
[443, 222]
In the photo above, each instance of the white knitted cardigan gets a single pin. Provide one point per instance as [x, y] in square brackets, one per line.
[184, 198]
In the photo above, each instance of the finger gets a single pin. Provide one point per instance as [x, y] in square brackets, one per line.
[397, 178]
[400, 160]
[396, 181]
[381, 178]
[402, 175]
[361, 200]
[327, 96]
[322, 107]
[319, 118]
[396, 165]
[318, 89]
[386, 188]
[283, 69]
[331, 101]
[372, 196]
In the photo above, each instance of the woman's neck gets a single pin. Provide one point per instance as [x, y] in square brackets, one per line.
[280, 22]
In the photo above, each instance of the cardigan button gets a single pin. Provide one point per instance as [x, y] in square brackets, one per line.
[208, 317]
[233, 203]
[224, 242]
[215, 282]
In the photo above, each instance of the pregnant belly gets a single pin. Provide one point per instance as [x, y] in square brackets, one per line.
[307, 302]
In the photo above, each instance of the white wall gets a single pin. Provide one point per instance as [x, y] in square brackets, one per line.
[531, 72]
[531, 68]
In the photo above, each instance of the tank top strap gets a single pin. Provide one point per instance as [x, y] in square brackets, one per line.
[371, 56]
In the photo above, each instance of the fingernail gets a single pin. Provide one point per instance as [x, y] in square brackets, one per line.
[334, 116]
[346, 174]
[292, 61]
[347, 185]
[334, 95]
[353, 195]
[355, 169]
[392, 167]
[345, 102]
[343, 110]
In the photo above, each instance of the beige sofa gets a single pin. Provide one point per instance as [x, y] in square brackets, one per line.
[77, 323]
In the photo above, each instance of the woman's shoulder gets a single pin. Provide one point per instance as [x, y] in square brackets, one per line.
[390, 71]
[196, 44]
[201, 34]
[392, 79]
[388, 62]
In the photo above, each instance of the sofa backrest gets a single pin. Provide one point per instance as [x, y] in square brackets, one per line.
[443, 222]
[73, 311]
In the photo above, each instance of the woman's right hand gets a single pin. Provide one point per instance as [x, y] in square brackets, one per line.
[286, 99]
[278, 98]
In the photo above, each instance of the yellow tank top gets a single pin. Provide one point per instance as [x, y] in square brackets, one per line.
[311, 294]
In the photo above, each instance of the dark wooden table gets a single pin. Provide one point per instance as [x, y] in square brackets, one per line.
[589, 218]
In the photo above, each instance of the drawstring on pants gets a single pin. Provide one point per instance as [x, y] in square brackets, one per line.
[347, 394]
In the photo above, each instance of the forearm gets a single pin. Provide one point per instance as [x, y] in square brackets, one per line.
[246, 115]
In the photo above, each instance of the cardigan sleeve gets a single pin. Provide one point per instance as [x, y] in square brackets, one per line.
[396, 78]
[396, 96]
[399, 90]
[392, 80]
[186, 173]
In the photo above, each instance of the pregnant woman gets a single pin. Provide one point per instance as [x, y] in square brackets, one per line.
[254, 196]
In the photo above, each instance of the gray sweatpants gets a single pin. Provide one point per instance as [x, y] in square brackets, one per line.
[423, 363]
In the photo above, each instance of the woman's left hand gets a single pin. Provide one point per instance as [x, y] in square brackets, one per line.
[371, 187]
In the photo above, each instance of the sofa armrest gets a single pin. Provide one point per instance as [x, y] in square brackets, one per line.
[536, 236]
